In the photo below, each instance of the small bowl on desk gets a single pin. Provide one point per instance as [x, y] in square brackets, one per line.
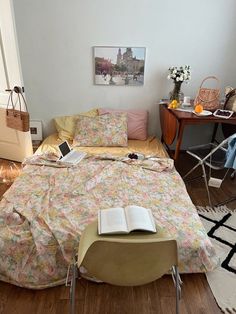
[186, 105]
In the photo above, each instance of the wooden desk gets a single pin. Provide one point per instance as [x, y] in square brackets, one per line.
[173, 120]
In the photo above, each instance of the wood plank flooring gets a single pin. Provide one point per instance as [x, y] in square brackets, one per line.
[157, 297]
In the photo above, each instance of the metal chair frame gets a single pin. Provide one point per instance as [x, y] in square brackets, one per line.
[204, 161]
[135, 252]
[76, 275]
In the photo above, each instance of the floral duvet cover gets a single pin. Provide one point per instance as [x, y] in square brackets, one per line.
[47, 208]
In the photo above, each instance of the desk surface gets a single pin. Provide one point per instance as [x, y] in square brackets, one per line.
[189, 116]
[175, 120]
[180, 115]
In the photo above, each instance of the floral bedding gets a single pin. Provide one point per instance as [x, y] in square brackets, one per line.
[47, 208]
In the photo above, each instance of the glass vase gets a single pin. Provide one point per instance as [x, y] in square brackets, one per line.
[176, 93]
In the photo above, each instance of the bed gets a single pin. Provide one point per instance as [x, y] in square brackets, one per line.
[46, 209]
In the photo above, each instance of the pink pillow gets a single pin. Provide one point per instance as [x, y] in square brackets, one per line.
[137, 122]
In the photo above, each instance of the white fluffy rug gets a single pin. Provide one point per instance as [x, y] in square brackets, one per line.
[220, 224]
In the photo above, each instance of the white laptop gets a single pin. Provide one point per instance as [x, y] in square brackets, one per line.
[68, 155]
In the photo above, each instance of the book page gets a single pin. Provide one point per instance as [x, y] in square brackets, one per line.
[112, 220]
[139, 218]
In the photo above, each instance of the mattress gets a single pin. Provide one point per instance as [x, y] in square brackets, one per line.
[152, 146]
[47, 208]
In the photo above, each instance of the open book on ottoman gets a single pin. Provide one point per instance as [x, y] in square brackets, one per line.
[120, 220]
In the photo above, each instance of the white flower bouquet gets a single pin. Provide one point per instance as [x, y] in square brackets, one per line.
[181, 74]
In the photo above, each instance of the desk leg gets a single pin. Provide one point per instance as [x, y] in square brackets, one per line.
[214, 132]
[179, 139]
[162, 139]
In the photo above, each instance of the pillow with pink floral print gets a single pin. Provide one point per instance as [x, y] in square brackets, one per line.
[104, 130]
[137, 122]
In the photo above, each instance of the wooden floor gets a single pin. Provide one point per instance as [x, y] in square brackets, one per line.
[157, 297]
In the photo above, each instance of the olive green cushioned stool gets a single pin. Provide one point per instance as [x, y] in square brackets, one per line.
[125, 260]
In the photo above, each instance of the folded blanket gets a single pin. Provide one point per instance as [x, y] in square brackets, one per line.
[231, 153]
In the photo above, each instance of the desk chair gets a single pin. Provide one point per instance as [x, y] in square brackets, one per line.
[211, 155]
[125, 260]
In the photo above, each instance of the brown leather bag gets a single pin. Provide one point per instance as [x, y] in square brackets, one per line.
[17, 119]
[209, 98]
[230, 99]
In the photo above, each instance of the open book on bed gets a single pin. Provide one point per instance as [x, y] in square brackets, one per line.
[124, 220]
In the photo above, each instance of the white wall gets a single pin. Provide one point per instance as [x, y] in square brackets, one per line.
[56, 39]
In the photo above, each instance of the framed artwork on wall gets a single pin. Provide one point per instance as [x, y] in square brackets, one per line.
[119, 65]
[36, 130]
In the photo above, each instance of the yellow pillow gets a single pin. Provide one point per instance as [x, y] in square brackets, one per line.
[65, 125]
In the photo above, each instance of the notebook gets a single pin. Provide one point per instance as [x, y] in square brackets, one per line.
[68, 155]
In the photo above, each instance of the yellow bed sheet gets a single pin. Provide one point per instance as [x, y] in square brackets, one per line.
[152, 146]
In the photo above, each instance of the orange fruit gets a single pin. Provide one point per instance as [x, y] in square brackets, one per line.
[198, 108]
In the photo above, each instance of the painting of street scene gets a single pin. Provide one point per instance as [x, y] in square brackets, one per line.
[119, 66]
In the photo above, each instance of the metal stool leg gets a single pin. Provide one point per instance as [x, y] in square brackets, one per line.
[206, 184]
[72, 288]
[177, 290]
[233, 174]
[190, 171]
[177, 283]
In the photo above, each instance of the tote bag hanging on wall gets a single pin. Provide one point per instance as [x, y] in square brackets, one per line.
[209, 98]
[17, 119]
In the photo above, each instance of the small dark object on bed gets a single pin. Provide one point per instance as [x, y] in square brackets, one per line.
[133, 156]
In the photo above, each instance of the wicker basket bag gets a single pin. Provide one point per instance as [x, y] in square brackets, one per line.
[209, 98]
